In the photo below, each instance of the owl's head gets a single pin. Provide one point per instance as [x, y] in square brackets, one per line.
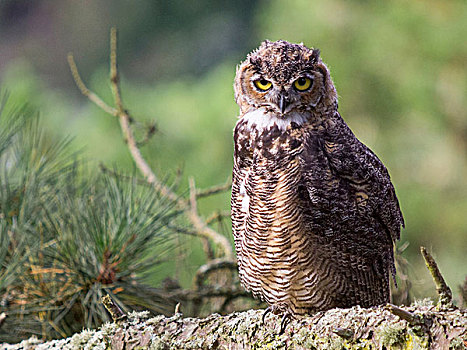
[283, 78]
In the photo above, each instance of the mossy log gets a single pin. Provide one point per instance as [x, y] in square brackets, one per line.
[420, 326]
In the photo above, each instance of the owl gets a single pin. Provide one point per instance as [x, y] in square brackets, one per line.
[314, 213]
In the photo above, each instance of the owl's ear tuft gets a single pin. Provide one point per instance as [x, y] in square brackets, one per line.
[266, 43]
[255, 60]
[315, 55]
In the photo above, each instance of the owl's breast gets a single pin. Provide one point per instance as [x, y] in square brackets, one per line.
[267, 173]
[272, 142]
[267, 210]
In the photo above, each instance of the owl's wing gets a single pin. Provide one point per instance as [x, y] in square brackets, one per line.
[350, 201]
[356, 179]
[355, 163]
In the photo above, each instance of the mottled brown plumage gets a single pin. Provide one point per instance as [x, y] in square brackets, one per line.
[314, 213]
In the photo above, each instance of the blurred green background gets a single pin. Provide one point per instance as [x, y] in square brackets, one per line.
[399, 67]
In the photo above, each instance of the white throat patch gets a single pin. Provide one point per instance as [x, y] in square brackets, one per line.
[264, 121]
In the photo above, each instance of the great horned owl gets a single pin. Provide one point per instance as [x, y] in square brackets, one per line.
[314, 213]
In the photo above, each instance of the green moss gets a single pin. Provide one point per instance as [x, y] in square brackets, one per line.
[158, 344]
[108, 329]
[155, 320]
[137, 316]
[81, 339]
[414, 341]
[392, 335]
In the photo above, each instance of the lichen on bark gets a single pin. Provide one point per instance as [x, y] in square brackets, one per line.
[354, 328]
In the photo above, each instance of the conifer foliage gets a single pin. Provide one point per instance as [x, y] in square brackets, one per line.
[68, 235]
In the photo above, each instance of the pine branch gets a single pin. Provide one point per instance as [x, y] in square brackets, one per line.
[188, 206]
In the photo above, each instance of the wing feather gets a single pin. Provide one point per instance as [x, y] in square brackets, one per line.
[356, 164]
[351, 200]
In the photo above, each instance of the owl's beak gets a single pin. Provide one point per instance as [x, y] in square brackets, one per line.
[283, 102]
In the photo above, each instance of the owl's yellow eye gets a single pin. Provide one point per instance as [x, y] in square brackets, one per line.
[302, 83]
[263, 84]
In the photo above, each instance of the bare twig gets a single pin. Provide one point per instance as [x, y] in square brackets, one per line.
[419, 323]
[211, 266]
[183, 230]
[86, 92]
[344, 333]
[411, 318]
[194, 211]
[125, 120]
[193, 204]
[214, 190]
[150, 132]
[217, 216]
[444, 292]
[178, 177]
[114, 77]
[202, 229]
[206, 231]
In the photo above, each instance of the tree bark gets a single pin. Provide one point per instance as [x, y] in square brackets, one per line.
[420, 326]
